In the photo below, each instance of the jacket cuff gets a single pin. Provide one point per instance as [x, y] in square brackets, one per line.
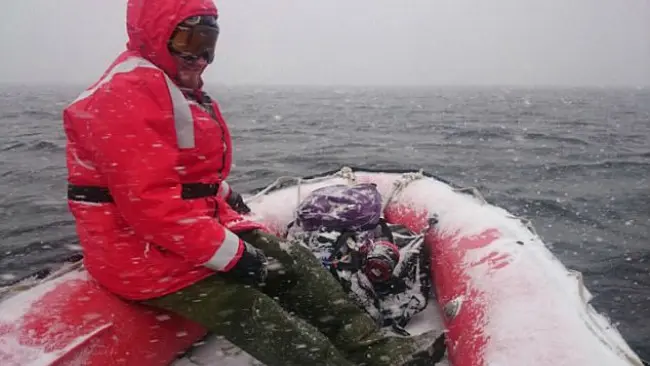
[239, 226]
[227, 254]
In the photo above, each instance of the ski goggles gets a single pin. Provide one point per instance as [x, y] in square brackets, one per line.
[196, 37]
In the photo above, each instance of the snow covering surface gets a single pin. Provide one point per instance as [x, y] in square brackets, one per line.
[15, 306]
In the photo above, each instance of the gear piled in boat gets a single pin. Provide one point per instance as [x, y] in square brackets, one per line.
[383, 268]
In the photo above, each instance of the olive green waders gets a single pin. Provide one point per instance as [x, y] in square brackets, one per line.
[301, 316]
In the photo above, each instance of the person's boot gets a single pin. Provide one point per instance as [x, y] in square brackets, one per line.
[305, 287]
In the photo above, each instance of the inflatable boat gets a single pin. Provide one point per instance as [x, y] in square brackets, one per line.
[501, 296]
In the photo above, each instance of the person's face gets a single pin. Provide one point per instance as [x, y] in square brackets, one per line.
[193, 46]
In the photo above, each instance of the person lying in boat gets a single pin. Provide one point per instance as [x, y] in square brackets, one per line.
[148, 155]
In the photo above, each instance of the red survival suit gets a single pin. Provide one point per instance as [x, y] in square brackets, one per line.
[147, 167]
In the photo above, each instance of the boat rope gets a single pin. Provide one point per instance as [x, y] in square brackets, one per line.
[398, 187]
[345, 173]
[526, 222]
[474, 192]
[400, 184]
[348, 174]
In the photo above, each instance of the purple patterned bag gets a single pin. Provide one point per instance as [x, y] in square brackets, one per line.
[341, 207]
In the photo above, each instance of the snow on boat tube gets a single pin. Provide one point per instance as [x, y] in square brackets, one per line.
[501, 295]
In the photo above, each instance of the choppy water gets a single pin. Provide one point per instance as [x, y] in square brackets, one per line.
[575, 161]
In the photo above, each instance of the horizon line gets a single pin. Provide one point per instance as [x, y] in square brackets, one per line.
[359, 85]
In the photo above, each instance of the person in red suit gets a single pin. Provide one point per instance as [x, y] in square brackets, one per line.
[148, 156]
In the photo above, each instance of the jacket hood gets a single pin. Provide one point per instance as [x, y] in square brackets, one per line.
[150, 23]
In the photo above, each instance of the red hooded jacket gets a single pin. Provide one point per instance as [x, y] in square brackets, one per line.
[137, 149]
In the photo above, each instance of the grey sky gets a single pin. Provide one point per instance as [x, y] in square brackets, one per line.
[504, 42]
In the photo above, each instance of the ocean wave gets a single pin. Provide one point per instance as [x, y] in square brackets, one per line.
[41, 145]
[47, 146]
[33, 227]
[552, 208]
[555, 138]
[612, 165]
[480, 133]
[12, 145]
[31, 114]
